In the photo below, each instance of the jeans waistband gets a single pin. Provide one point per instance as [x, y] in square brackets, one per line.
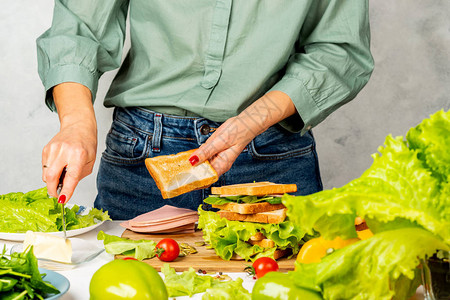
[157, 125]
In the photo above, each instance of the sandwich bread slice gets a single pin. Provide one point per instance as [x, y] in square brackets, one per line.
[174, 175]
[248, 208]
[251, 221]
[255, 188]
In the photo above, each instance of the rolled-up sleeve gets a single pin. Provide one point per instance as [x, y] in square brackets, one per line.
[85, 40]
[331, 64]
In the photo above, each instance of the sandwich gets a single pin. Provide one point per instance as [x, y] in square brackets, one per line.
[250, 222]
[174, 175]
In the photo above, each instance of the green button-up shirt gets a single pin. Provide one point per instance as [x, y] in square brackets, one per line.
[212, 58]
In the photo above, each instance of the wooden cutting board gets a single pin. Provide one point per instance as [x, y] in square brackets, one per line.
[205, 259]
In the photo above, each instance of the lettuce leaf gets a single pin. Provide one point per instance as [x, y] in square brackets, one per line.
[89, 219]
[432, 139]
[380, 267]
[229, 290]
[36, 211]
[31, 211]
[139, 249]
[229, 237]
[396, 191]
[189, 283]
[241, 199]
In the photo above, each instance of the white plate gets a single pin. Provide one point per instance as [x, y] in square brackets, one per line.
[82, 252]
[19, 237]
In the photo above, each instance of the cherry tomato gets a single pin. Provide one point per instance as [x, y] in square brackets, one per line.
[167, 250]
[129, 258]
[264, 265]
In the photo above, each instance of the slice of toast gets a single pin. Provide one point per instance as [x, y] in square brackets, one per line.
[249, 208]
[272, 217]
[255, 189]
[174, 175]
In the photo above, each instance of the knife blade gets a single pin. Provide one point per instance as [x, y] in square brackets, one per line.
[58, 191]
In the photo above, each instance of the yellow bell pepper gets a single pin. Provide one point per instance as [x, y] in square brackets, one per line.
[313, 250]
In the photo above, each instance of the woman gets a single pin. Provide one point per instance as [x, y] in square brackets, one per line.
[244, 81]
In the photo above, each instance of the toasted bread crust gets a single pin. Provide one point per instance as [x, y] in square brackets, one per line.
[257, 237]
[255, 189]
[273, 217]
[249, 208]
[279, 253]
[164, 170]
[265, 243]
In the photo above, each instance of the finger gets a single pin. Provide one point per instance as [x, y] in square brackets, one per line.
[213, 145]
[223, 161]
[43, 173]
[69, 184]
[44, 162]
[52, 174]
[52, 167]
[75, 172]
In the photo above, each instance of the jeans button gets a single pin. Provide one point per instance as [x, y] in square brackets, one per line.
[205, 129]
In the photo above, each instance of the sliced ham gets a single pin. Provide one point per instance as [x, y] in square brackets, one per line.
[191, 218]
[167, 219]
[188, 228]
[167, 212]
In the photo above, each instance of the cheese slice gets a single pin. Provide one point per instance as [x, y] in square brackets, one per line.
[48, 246]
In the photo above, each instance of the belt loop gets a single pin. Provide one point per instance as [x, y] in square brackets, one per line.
[197, 136]
[157, 132]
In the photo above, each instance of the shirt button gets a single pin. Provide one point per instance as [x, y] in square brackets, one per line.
[205, 129]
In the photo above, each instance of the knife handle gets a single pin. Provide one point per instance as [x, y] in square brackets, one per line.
[61, 180]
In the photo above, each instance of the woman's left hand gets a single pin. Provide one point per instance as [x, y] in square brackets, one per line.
[228, 141]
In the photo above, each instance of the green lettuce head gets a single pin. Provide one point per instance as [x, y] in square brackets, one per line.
[405, 199]
[398, 190]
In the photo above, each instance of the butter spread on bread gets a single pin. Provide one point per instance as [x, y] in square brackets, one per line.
[174, 175]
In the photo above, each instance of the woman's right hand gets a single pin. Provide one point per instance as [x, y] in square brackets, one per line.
[74, 147]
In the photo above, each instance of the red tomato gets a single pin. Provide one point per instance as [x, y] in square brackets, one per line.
[129, 258]
[264, 265]
[167, 250]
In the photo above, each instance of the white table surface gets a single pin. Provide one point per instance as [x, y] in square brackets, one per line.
[81, 276]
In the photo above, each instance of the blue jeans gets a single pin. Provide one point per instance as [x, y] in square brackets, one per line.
[126, 189]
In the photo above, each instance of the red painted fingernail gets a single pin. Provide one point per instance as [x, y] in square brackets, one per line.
[193, 160]
[62, 199]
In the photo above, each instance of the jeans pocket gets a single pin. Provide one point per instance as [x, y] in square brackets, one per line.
[277, 143]
[125, 145]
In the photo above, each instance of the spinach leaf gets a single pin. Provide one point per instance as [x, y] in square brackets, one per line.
[20, 277]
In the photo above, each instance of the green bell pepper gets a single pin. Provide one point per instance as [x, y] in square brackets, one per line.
[280, 286]
[127, 279]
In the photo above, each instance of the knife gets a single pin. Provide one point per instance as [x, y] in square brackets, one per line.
[58, 191]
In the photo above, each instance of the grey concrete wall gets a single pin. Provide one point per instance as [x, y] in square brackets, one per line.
[410, 44]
